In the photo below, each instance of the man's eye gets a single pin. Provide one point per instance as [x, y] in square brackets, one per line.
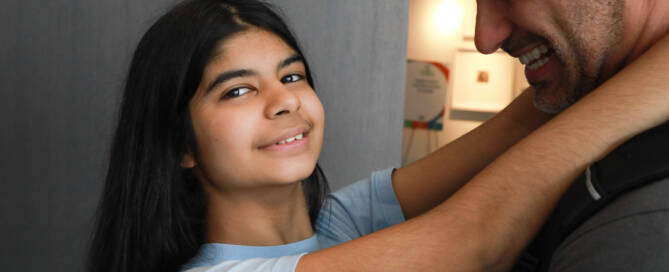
[236, 92]
[291, 78]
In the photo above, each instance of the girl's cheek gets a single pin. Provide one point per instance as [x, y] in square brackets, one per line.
[232, 130]
[314, 106]
[228, 147]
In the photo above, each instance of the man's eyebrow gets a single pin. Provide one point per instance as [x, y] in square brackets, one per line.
[290, 60]
[228, 76]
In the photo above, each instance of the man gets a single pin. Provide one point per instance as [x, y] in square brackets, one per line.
[569, 47]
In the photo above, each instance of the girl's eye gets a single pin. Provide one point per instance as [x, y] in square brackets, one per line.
[291, 78]
[236, 92]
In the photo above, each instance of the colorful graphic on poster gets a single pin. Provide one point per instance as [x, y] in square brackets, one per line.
[425, 96]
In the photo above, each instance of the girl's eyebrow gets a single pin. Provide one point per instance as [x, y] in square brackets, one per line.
[228, 76]
[290, 60]
[245, 73]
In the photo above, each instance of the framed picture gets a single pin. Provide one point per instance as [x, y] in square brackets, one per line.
[482, 83]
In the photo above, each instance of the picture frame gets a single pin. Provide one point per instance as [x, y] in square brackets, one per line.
[482, 83]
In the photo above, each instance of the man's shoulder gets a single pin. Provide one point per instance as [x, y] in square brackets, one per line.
[650, 197]
[629, 233]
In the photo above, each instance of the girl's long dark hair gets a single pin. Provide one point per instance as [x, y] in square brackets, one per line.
[152, 212]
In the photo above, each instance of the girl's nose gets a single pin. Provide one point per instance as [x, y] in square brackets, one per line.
[281, 101]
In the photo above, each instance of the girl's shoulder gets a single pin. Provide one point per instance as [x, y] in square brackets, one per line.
[359, 209]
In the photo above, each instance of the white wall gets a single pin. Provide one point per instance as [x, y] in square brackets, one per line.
[429, 42]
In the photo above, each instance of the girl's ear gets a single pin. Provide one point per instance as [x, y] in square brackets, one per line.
[188, 161]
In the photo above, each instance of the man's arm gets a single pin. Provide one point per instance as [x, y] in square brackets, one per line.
[484, 225]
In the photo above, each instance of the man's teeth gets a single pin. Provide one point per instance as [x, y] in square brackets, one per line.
[538, 64]
[534, 54]
[290, 140]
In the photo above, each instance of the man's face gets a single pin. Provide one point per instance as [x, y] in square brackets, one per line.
[567, 46]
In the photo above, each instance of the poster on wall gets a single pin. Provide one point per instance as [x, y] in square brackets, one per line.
[425, 96]
[482, 83]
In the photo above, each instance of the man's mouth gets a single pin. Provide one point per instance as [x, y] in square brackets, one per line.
[537, 57]
[540, 60]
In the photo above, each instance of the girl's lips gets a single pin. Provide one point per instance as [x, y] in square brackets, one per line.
[294, 145]
[285, 134]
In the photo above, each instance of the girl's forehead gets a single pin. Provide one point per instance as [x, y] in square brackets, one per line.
[253, 52]
[251, 45]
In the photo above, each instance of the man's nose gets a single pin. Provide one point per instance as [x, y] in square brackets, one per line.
[492, 25]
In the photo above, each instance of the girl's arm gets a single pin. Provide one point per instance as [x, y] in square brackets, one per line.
[424, 184]
[492, 218]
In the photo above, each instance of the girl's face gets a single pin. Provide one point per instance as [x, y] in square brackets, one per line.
[257, 122]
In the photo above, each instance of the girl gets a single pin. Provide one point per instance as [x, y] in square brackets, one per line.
[214, 162]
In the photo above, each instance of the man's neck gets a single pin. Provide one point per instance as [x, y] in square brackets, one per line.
[652, 18]
[645, 22]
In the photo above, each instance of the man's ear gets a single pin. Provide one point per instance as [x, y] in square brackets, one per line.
[188, 161]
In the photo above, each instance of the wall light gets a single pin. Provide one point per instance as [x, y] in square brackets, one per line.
[447, 16]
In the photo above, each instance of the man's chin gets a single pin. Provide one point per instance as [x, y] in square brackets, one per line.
[549, 99]
[547, 107]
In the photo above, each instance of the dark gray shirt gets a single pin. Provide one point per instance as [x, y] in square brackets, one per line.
[630, 234]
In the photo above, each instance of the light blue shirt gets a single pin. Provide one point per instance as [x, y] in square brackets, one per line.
[359, 209]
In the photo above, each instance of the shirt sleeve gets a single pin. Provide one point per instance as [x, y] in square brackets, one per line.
[281, 264]
[359, 209]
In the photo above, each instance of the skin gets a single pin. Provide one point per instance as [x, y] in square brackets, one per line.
[234, 122]
[254, 197]
[477, 228]
[592, 40]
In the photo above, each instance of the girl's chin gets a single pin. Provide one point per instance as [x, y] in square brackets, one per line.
[289, 173]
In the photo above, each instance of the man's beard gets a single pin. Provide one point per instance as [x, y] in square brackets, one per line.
[565, 93]
[592, 40]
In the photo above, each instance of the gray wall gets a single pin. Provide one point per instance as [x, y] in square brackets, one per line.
[358, 53]
[62, 65]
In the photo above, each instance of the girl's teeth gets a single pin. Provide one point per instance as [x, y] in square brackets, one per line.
[292, 139]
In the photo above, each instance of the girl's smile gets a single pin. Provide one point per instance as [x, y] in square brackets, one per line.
[292, 140]
[257, 121]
